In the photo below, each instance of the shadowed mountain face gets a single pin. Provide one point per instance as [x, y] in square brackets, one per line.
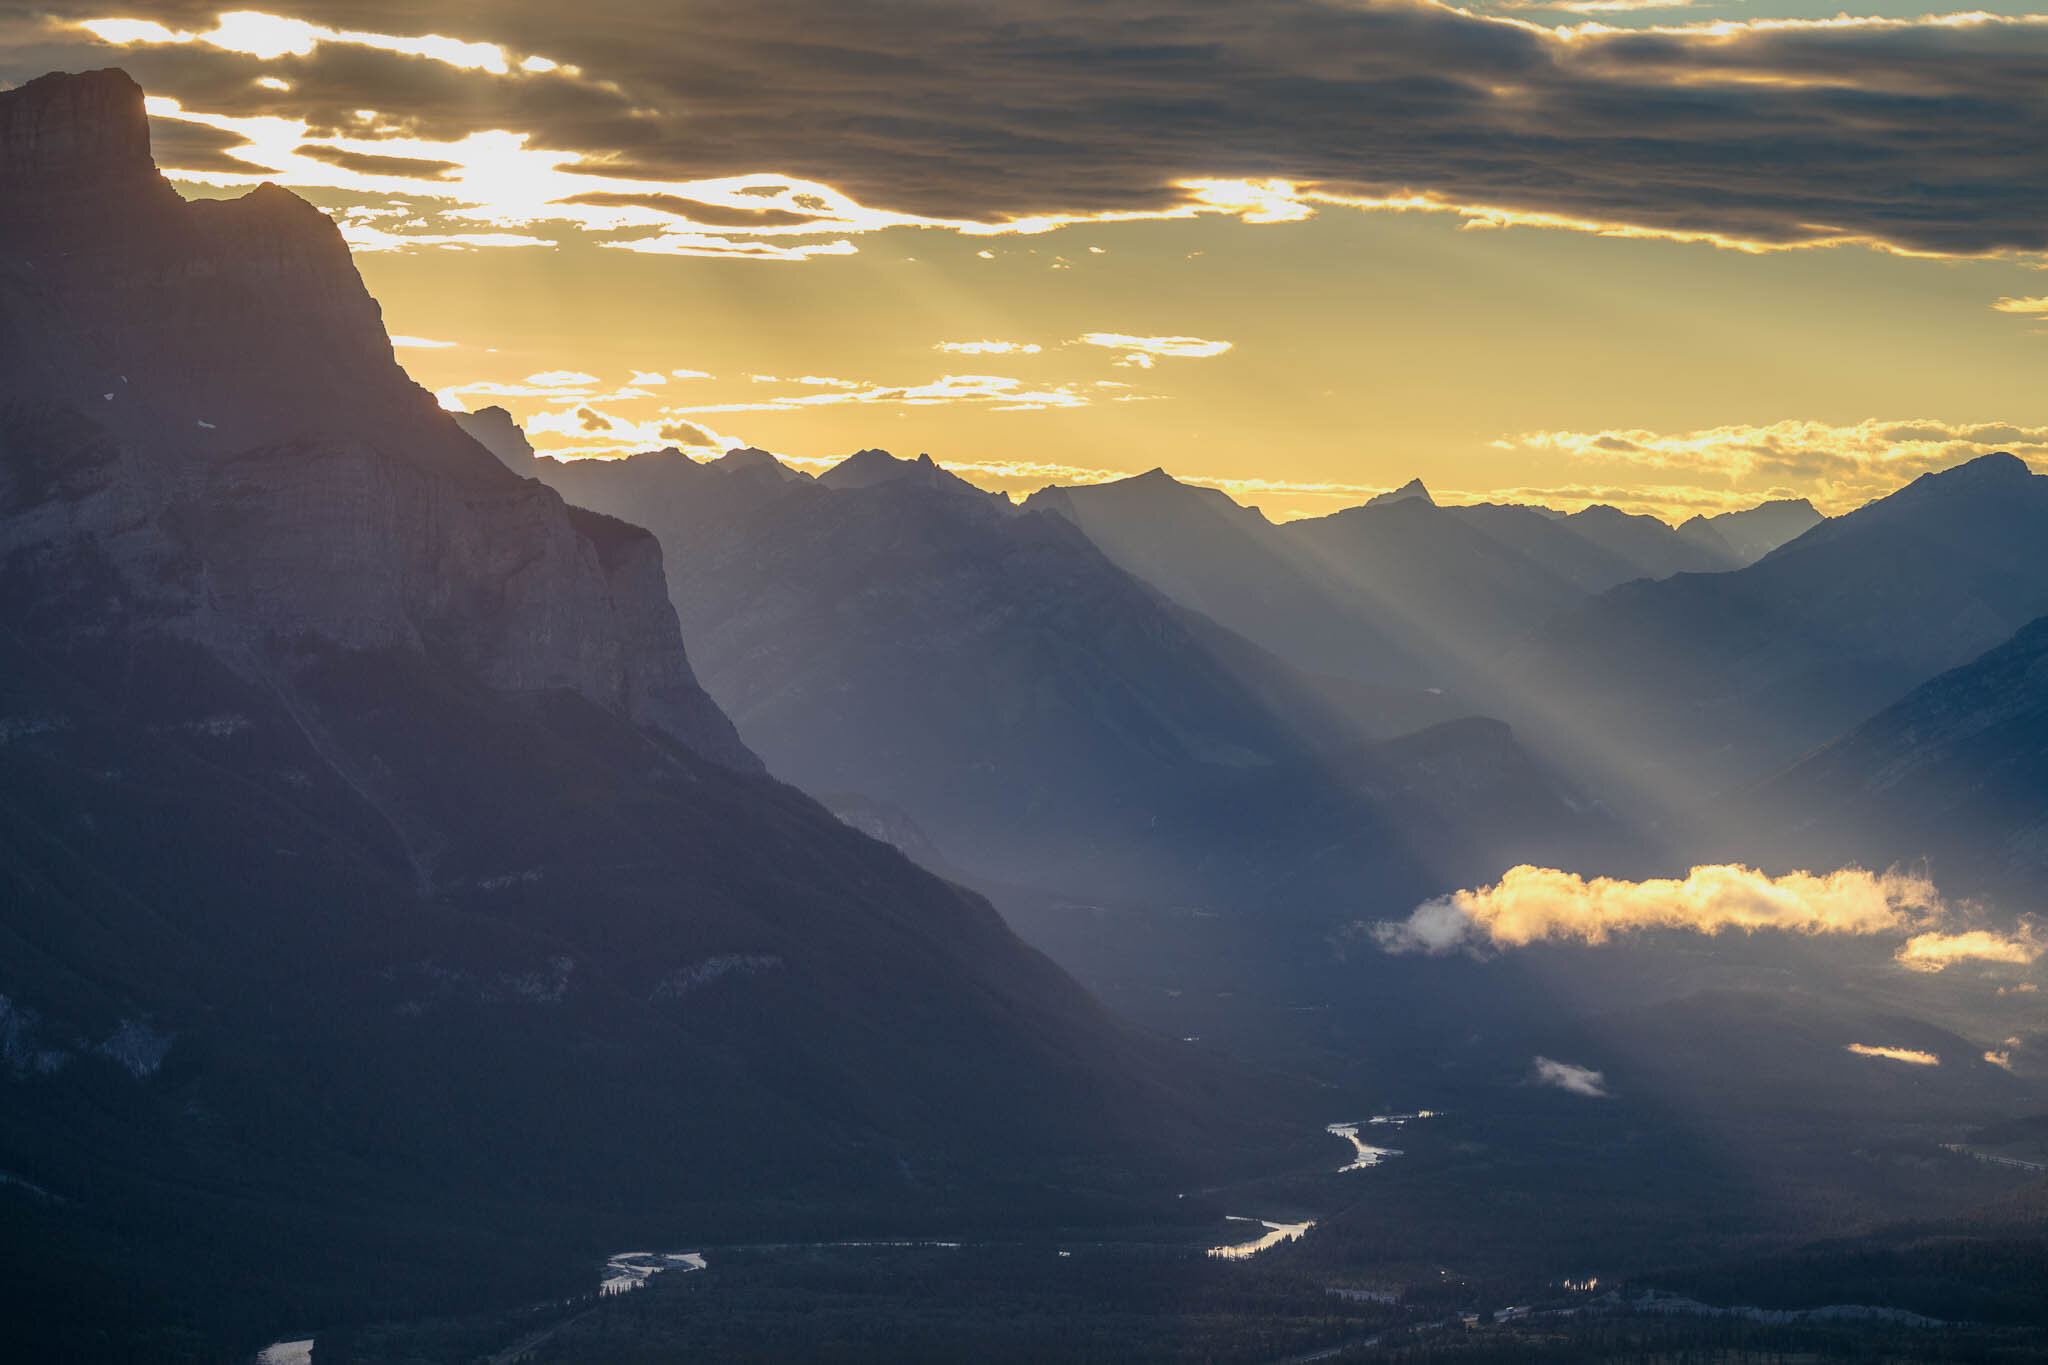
[889, 631]
[1228, 562]
[1956, 772]
[1673, 690]
[1754, 532]
[382, 890]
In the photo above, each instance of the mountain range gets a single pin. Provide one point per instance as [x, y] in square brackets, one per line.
[1045, 716]
[1665, 693]
[386, 900]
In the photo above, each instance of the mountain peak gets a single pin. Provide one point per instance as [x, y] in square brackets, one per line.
[68, 132]
[1976, 481]
[865, 467]
[1986, 471]
[494, 430]
[1411, 490]
[750, 459]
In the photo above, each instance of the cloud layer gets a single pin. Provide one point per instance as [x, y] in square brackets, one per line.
[1838, 466]
[1926, 136]
[1540, 904]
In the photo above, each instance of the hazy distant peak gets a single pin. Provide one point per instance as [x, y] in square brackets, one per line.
[870, 468]
[743, 458]
[866, 467]
[1753, 532]
[1986, 471]
[1601, 511]
[494, 430]
[1411, 490]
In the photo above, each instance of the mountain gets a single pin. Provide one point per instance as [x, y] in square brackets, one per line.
[1451, 594]
[1228, 562]
[1413, 489]
[390, 919]
[1670, 691]
[1753, 532]
[1044, 717]
[1654, 548]
[1400, 590]
[1551, 542]
[1955, 772]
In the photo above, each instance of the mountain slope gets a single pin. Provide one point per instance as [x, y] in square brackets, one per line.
[1673, 690]
[1955, 772]
[390, 917]
[1228, 562]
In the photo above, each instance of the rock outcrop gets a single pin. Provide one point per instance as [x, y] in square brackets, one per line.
[204, 394]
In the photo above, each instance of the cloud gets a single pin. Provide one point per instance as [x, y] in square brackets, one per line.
[1576, 1080]
[1533, 904]
[989, 347]
[1144, 352]
[686, 434]
[1539, 904]
[1915, 135]
[270, 36]
[1838, 466]
[419, 343]
[1000, 393]
[1999, 1057]
[1592, 6]
[1931, 952]
[1894, 1054]
[2036, 307]
[554, 385]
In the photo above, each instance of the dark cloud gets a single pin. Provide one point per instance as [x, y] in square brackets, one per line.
[711, 215]
[687, 434]
[1923, 136]
[195, 147]
[353, 161]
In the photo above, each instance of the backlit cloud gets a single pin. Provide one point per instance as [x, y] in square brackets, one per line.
[1922, 136]
[1540, 904]
[1931, 952]
[989, 347]
[1575, 1080]
[270, 36]
[1144, 352]
[1894, 1054]
[1838, 466]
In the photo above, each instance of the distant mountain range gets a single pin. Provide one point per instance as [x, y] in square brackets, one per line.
[387, 905]
[1673, 690]
[1398, 590]
[1043, 716]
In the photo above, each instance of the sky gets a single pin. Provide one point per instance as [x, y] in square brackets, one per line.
[1675, 257]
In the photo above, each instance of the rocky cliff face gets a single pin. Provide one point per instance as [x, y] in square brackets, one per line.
[198, 401]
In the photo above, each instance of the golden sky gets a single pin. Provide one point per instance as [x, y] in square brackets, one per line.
[1672, 257]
